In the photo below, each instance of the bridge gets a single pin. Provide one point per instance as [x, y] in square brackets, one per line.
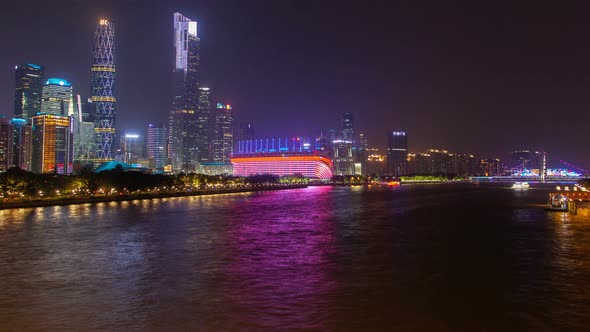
[551, 175]
[518, 178]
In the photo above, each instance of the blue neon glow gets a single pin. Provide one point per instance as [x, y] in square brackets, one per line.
[19, 121]
[34, 65]
[57, 81]
[296, 144]
[552, 172]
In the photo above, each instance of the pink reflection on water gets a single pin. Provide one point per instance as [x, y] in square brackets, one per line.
[279, 274]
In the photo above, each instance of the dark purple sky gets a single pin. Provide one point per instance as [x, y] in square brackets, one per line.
[471, 76]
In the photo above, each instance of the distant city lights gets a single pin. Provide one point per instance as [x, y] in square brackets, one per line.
[551, 172]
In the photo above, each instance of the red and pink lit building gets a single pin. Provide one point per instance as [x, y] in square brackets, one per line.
[281, 157]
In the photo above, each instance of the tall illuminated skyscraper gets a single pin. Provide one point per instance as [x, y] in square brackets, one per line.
[57, 98]
[223, 138]
[203, 124]
[103, 91]
[156, 145]
[183, 149]
[27, 96]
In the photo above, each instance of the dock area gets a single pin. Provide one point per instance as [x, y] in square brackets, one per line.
[566, 200]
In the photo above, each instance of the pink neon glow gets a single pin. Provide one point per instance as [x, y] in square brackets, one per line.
[317, 167]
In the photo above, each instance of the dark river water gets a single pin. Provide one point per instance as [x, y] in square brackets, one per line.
[417, 258]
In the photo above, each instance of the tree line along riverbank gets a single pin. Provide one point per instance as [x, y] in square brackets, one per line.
[70, 200]
[20, 188]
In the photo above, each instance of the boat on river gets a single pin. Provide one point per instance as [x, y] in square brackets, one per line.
[520, 185]
[557, 203]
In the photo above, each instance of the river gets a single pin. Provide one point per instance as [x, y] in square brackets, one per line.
[467, 257]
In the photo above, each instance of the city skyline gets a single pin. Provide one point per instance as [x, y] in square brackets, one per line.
[103, 91]
[512, 105]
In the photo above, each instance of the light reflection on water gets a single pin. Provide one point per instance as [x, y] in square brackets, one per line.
[279, 272]
[443, 257]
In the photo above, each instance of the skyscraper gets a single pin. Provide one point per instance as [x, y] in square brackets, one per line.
[222, 142]
[343, 157]
[6, 144]
[183, 140]
[361, 155]
[347, 127]
[203, 124]
[27, 96]
[133, 147]
[57, 98]
[23, 144]
[103, 91]
[156, 145]
[53, 148]
[83, 132]
[397, 152]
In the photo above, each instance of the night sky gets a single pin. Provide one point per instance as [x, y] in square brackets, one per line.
[475, 76]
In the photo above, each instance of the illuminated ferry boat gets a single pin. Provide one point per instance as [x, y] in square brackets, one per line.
[520, 185]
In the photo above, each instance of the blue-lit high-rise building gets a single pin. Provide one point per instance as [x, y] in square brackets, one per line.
[156, 145]
[183, 140]
[29, 87]
[103, 91]
[57, 97]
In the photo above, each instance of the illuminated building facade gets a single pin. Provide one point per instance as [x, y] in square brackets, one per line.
[375, 162]
[84, 132]
[84, 108]
[203, 124]
[183, 140]
[361, 155]
[343, 157]
[103, 91]
[282, 156]
[29, 89]
[443, 163]
[491, 167]
[132, 147]
[551, 174]
[279, 144]
[53, 148]
[6, 144]
[222, 142]
[310, 166]
[23, 144]
[57, 97]
[397, 153]
[156, 145]
[214, 168]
